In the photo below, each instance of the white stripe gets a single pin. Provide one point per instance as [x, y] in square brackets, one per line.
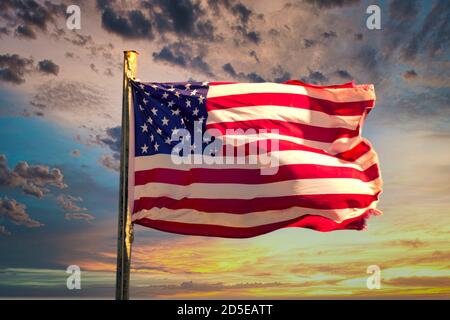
[359, 93]
[335, 147]
[250, 191]
[284, 158]
[297, 115]
[252, 219]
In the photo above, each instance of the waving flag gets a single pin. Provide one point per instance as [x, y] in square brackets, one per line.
[243, 159]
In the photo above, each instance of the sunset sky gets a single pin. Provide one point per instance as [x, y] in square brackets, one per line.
[60, 108]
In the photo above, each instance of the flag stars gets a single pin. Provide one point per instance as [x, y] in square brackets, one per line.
[187, 86]
[152, 138]
[154, 111]
[176, 112]
[168, 140]
[195, 112]
[194, 92]
[170, 104]
[154, 86]
[150, 120]
[145, 101]
[141, 86]
[165, 121]
[159, 131]
[188, 103]
[156, 146]
[165, 95]
[144, 128]
[177, 94]
[144, 148]
[200, 99]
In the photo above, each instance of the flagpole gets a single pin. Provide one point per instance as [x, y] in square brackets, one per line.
[125, 227]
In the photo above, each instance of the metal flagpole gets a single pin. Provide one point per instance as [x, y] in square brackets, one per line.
[125, 228]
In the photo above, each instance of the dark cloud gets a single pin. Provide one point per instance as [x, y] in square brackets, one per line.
[111, 139]
[31, 14]
[93, 67]
[228, 68]
[132, 24]
[182, 55]
[48, 66]
[308, 43]
[75, 153]
[4, 31]
[14, 67]
[410, 74]
[33, 180]
[344, 74]
[327, 4]
[176, 53]
[329, 34]
[315, 77]
[254, 55]
[434, 35]
[182, 17]
[252, 76]
[25, 31]
[15, 212]
[359, 36]
[110, 162]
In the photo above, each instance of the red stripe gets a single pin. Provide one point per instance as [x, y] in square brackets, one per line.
[242, 206]
[252, 176]
[354, 153]
[318, 223]
[298, 130]
[289, 100]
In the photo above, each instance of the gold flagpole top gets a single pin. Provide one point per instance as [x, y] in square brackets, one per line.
[130, 63]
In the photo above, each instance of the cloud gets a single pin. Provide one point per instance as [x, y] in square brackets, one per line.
[31, 15]
[14, 67]
[75, 153]
[25, 31]
[74, 102]
[4, 232]
[67, 202]
[79, 216]
[344, 74]
[132, 24]
[315, 77]
[329, 34]
[409, 243]
[73, 211]
[48, 66]
[328, 4]
[182, 55]
[419, 281]
[110, 162]
[410, 74]
[252, 76]
[33, 180]
[15, 212]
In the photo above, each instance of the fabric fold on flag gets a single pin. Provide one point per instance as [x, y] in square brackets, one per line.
[238, 160]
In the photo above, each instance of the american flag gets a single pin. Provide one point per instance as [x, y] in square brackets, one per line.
[327, 176]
